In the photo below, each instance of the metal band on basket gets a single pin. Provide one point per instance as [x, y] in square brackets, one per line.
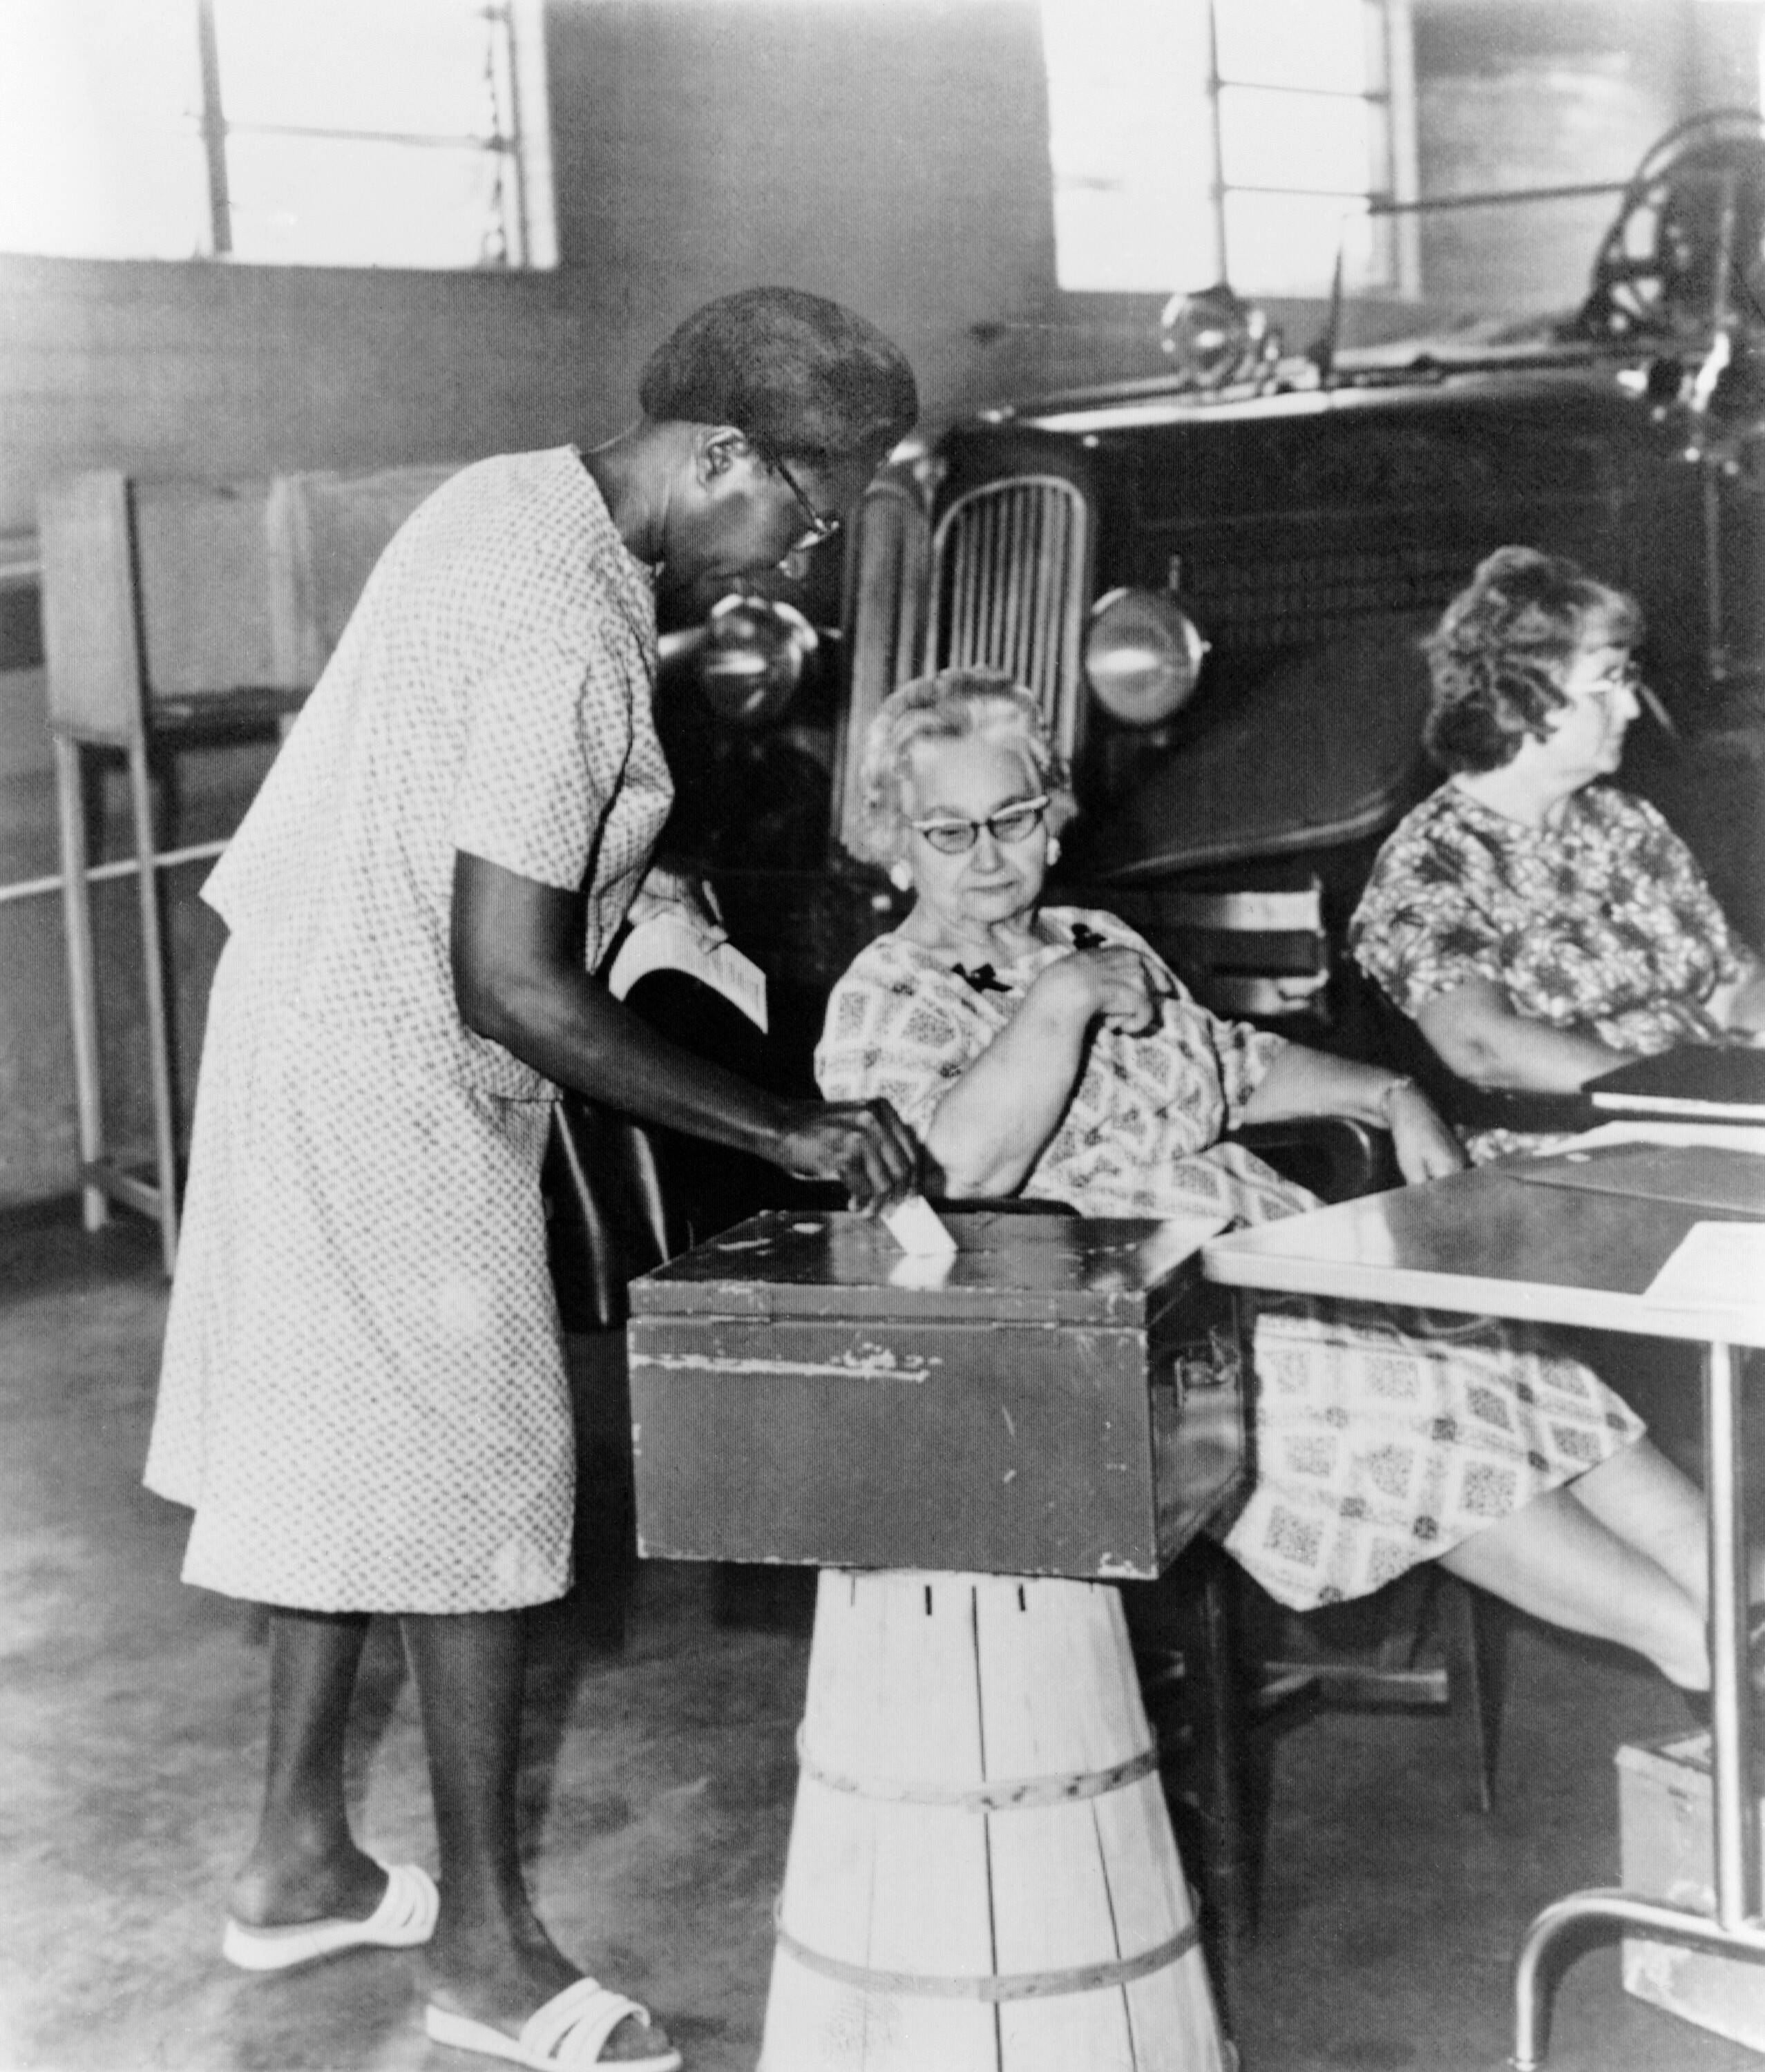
[1013, 1986]
[1004, 1797]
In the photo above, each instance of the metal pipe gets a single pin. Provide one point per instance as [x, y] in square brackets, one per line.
[1627, 1909]
[517, 162]
[214, 130]
[1734, 1809]
[82, 978]
[33, 888]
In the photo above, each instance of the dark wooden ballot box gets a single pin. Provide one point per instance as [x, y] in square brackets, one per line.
[1061, 1398]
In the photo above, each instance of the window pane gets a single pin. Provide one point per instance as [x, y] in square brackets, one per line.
[1108, 245]
[1310, 141]
[404, 65]
[1286, 244]
[301, 202]
[1321, 43]
[1130, 144]
[100, 153]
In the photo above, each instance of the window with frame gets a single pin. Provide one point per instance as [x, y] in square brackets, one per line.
[334, 132]
[1194, 142]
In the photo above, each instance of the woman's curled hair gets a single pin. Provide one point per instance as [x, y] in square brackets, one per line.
[950, 706]
[1498, 656]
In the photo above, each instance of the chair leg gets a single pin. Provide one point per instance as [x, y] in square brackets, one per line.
[1472, 1691]
[1224, 1752]
[1182, 1630]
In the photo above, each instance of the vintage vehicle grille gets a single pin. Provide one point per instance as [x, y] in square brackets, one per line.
[1259, 603]
[1002, 583]
[1011, 579]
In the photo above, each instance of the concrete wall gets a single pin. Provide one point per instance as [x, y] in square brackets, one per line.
[891, 153]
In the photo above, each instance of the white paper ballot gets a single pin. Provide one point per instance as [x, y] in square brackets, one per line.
[914, 1227]
[1718, 1266]
[922, 1269]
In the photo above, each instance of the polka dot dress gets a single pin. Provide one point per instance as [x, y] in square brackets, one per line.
[362, 1395]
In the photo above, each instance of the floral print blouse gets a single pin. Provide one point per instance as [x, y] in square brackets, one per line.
[1141, 1135]
[1601, 922]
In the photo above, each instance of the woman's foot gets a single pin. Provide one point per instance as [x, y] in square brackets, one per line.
[278, 1887]
[503, 1979]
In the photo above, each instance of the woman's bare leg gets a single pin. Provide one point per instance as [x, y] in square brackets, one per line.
[1639, 1496]
[1558, 1560]
[304, 1864]
[1642, 1497]
[491, 1957]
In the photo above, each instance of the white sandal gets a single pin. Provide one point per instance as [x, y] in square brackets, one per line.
[568, 2032]
[404, 1916]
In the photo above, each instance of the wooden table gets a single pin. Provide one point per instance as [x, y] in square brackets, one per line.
[1485, 1241]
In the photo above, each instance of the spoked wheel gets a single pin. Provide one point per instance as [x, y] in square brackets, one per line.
[1688, 247]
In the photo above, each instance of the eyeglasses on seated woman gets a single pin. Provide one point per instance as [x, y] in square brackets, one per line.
[1047, 1052]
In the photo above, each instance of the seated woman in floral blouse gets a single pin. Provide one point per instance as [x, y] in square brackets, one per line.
[1047, 1052]
[1538, 925]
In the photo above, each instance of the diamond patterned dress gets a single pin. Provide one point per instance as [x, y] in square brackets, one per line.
[362, 1394]
[1379, 1438]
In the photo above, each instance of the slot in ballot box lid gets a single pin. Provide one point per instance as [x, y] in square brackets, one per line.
[1061, 1396]
[1052, 1268]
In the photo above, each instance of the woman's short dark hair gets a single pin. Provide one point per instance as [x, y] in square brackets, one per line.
[806, 379]
[1499, 655]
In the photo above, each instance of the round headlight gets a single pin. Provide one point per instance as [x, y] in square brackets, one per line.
[753, 657]
[1142, 656]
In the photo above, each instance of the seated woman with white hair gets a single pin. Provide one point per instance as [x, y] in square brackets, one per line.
[1048, 1052]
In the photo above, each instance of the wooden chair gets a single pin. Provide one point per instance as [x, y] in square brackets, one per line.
[1257, 954]
[1253, 953]
[1219, 1657]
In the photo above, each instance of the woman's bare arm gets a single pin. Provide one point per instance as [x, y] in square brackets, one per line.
[1477, 1035]
[993, 1124]
[1302, 1082]
[518, 979]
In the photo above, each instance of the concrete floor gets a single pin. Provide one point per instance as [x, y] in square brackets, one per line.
[658, 1787]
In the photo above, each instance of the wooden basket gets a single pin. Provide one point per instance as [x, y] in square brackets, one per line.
[982, 1875]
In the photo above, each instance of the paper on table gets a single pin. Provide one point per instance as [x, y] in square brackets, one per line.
[914, 1227]
[1714, 1266]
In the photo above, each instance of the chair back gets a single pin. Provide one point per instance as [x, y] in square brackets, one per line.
[1250, 953]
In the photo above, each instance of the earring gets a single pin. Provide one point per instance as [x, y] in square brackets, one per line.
[1054, 850]
[901, 874]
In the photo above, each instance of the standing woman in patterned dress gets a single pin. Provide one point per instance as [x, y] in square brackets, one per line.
[363, 1397]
